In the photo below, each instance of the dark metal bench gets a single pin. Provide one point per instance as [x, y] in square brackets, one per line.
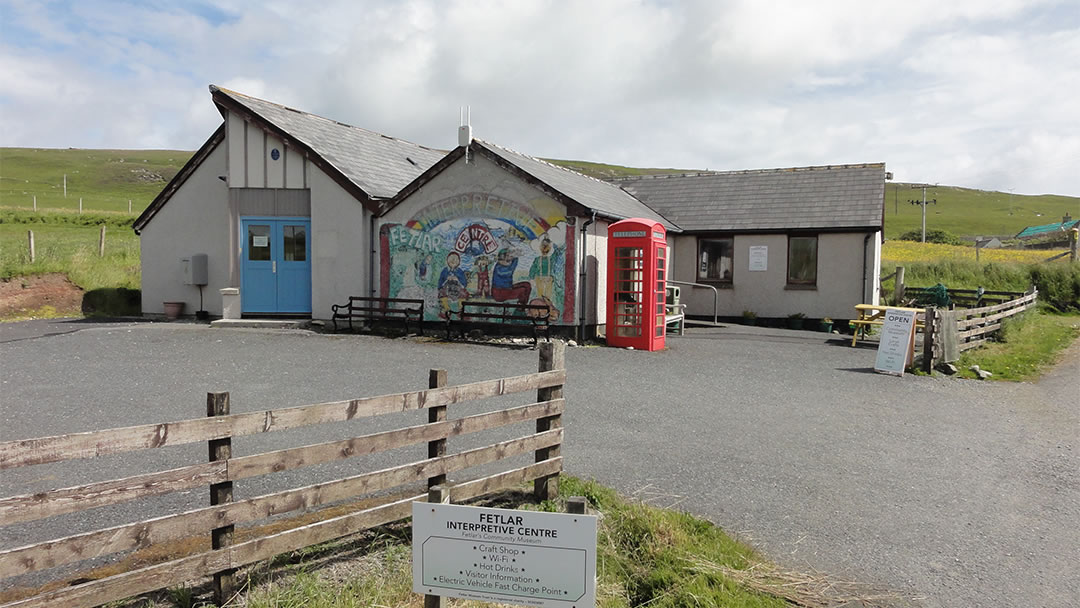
[380, 309]
[505, 315]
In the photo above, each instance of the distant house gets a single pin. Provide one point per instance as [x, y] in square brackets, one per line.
[988, 242]
[298, 212]
[1047, 231]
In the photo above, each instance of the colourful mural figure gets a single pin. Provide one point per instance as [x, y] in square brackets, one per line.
[453, 286]
[483, 278]
[503, 286]
[487, 243]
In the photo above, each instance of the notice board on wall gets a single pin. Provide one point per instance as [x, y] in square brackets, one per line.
[759, 258]
[897, 347]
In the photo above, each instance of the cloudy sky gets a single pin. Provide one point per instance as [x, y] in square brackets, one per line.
[961, 92]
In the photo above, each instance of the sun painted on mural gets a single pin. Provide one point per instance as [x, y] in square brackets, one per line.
[479, 247]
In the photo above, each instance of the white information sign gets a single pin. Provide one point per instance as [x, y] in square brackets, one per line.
[260, 241]
[897, 346]
[505, 556]
[759, 258]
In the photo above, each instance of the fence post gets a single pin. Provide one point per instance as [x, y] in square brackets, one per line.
[898, 286]
[1074, 236]
[552, 357]
[577, 505]
[928, 339]
[35, 202]
[129, 206]
[437, 447]
[101, 242]
[438, 495]
[217, 404]
[80, 205]
[30, 238]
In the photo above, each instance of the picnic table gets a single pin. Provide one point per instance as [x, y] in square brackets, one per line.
[870, 315]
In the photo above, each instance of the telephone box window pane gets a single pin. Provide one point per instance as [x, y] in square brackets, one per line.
[715, 260]
[295, 246]
[258, 243]
[628, 252]
[660, 331]
[660, 252]
[628, 332]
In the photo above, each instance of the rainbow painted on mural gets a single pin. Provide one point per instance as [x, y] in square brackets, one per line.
[522, 217]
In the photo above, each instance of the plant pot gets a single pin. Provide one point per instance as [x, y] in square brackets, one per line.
[795, 323]
[826, 327]
[749, 321]
[173, 310]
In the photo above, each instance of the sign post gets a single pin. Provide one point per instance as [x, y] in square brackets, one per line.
[506, 556]
[897, 347]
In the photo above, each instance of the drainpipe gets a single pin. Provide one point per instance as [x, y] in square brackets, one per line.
[865, 243]
[583, 286]
[371, 258]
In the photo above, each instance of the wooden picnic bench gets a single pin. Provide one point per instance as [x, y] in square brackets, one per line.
[871, 315]
[363, 308]
[504, 315]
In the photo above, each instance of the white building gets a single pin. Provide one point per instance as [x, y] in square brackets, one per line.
[299, 212]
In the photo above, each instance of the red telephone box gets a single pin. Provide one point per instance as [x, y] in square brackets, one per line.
[636, 285]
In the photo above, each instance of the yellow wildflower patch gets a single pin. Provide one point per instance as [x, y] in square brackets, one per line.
[900, 252]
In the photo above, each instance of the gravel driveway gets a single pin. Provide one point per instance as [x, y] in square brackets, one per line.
[948, 492]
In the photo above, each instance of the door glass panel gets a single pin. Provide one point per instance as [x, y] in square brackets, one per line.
[295, 243]
[258, 243]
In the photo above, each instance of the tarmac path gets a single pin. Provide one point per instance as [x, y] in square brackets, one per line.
[948, 492]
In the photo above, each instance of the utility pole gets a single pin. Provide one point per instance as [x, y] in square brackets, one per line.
[923, 203]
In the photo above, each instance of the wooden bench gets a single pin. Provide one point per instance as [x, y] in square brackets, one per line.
[380, 309]
[501, 314]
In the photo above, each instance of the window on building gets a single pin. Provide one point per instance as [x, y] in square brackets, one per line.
[715, 260]
[802, 260]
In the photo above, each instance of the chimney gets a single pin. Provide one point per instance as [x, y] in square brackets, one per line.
[464, 132]
[1066, 219]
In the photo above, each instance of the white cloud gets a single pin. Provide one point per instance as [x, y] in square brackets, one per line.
[962, 92]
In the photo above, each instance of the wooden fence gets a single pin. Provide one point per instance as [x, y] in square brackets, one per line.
[950, 332]
[223, 468]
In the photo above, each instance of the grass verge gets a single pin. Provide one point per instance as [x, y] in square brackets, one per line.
[72, 250]
[111, 282]
[646, 556]
[1025, 346]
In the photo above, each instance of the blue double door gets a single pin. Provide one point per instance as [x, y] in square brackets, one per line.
[276, 272]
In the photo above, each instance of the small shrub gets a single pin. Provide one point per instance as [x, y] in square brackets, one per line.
[1058, 284]
[933, 236]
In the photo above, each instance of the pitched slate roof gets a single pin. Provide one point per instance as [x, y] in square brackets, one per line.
[606, 199]
[378, 165]
[835, 197]
[1047, 229]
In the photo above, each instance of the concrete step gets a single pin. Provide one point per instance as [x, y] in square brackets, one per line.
[260, 323]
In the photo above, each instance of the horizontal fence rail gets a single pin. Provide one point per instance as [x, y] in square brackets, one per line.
[113, 441]
[224, 468]
[976, 324]
[968, 327]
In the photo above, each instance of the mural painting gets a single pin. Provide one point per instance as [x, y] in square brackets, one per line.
[479, 247]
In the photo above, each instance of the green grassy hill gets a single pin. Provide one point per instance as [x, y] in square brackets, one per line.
[107, 179]
[969, 213]
[104, 179]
